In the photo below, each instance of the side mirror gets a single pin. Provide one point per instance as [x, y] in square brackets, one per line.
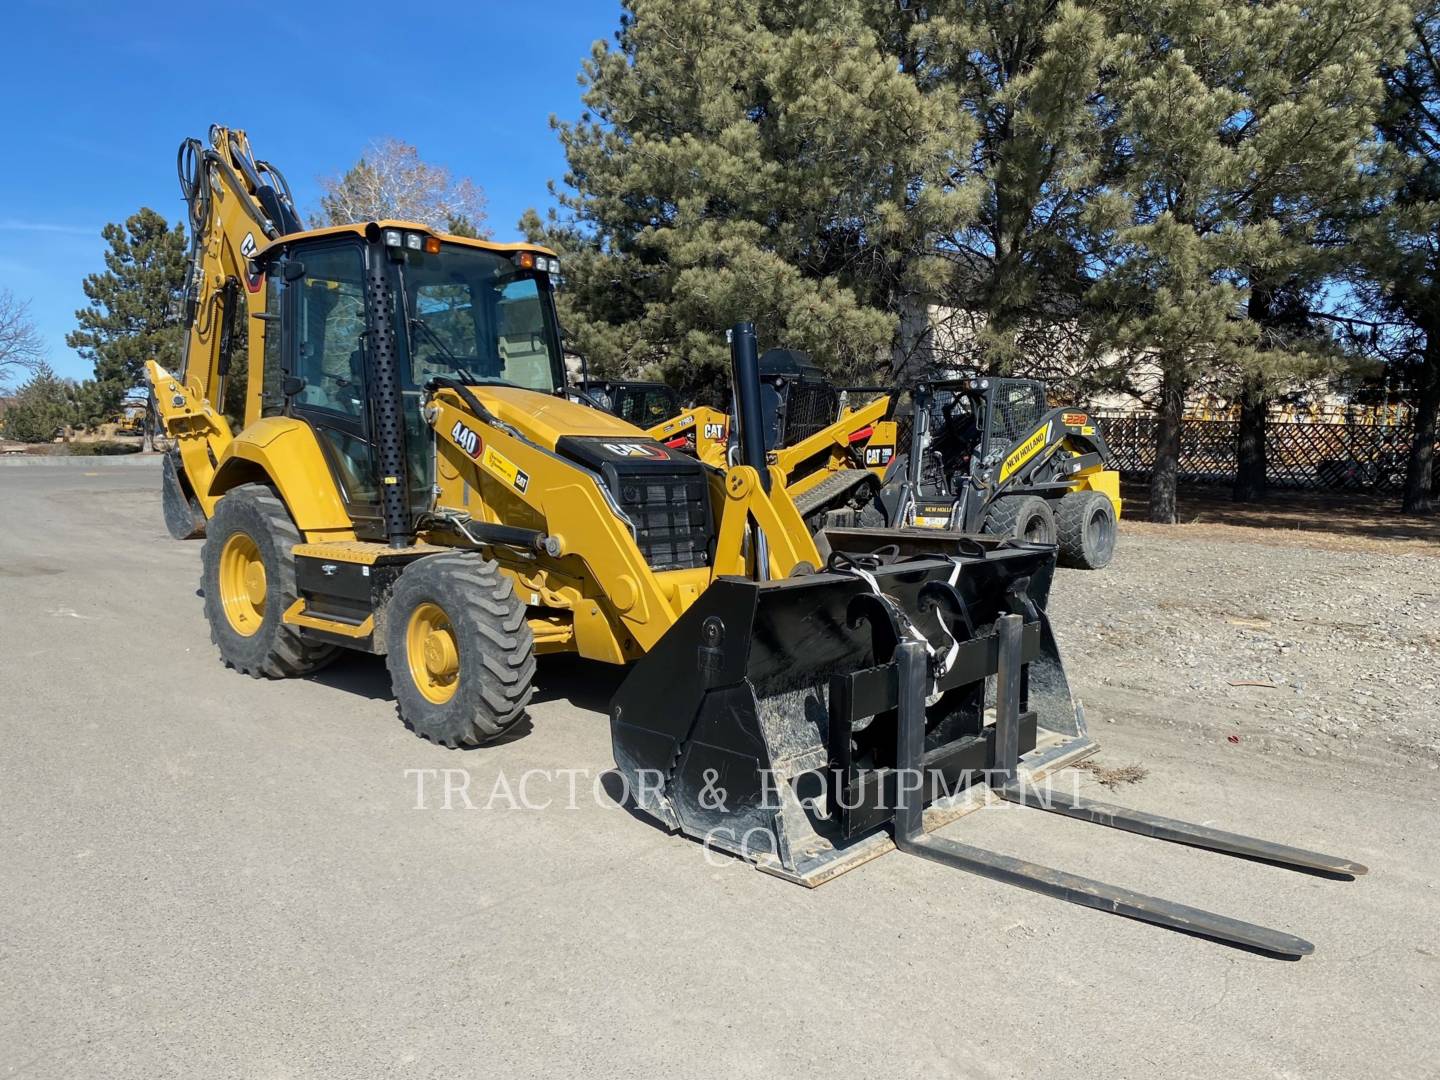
[291, 385]
[294, 270]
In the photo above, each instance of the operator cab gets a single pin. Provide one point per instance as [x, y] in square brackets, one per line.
[453, 308]
[970, 420]
[796, 398]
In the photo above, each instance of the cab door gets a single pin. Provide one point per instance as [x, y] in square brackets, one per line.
[326, 353]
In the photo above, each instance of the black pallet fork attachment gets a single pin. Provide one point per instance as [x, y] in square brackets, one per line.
[912, 662]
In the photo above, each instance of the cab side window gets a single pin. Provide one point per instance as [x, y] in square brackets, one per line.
[330, 331]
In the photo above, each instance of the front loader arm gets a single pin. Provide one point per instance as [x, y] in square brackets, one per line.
[833, 442]
[521, 483]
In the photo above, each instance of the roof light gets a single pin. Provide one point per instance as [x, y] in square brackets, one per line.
[392, 238]
[414, 241]
[432, 245]
[525, 260]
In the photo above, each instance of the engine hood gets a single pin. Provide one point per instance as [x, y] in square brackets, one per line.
[545, 419]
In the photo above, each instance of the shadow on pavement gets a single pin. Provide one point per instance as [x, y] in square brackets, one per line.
[1349, 513]
[585, 684]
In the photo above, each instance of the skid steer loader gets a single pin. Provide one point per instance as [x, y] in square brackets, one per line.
[984, 454]
[812, 433]
[655, 407]
[411, 481]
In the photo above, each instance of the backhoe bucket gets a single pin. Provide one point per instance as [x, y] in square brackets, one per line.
[765, 721]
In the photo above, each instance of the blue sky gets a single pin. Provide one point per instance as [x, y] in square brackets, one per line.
[98, 96]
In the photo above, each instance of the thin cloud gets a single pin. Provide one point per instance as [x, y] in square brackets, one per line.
[15, 225]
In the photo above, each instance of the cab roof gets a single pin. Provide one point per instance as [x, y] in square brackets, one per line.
[367, 229]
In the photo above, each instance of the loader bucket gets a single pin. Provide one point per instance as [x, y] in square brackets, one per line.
[765, 721]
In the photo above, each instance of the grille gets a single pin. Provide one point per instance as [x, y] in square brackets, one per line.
[809, 408]
[671, 514]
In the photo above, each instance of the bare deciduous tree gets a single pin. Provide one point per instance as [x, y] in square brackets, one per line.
[21, 348]
[391, 181]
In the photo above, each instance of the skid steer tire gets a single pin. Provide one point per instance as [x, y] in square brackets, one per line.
[459, 649]
[248, 578]
[1021, 517]
[1087, 530]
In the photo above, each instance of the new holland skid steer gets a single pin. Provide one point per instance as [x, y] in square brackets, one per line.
[985, 454]
[411, 481]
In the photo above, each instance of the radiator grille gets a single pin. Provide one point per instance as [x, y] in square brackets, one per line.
[671, 514]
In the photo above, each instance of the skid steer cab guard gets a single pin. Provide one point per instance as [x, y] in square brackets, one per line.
[764, 723]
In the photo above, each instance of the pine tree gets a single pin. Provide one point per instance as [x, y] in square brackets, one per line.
[1401, 247]
[134, 312]
[1028, 73]
[41, 409]
[1240, 132]
[761, 160]
[1304, 172]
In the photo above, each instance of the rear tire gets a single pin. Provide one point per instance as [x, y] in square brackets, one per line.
[248, 578]
[1021, 517]
[1087, 530]
[459, 649]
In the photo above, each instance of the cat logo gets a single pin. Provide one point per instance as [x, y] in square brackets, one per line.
[1024, 452]
[638, 450]
[714, 432]
[878, 455]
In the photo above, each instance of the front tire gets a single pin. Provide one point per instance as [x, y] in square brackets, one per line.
[1087, 530]
[248, 578]
[459, 649]
[1022, 517]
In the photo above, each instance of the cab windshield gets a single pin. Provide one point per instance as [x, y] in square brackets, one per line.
[473, 315]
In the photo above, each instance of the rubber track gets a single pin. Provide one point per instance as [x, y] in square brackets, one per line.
[834, 489]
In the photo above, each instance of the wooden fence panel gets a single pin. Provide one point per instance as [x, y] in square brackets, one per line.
[1327, 457]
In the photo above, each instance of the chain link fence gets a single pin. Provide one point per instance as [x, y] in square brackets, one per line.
[1299, 454]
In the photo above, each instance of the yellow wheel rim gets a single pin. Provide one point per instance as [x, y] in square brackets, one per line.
[432, 653]
[242, 584]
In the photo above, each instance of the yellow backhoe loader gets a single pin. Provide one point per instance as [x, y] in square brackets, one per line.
[410, 480]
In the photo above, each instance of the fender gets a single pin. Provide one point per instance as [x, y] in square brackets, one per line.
[284, 452]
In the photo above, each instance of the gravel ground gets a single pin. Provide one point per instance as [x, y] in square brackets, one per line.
[1331, 638]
